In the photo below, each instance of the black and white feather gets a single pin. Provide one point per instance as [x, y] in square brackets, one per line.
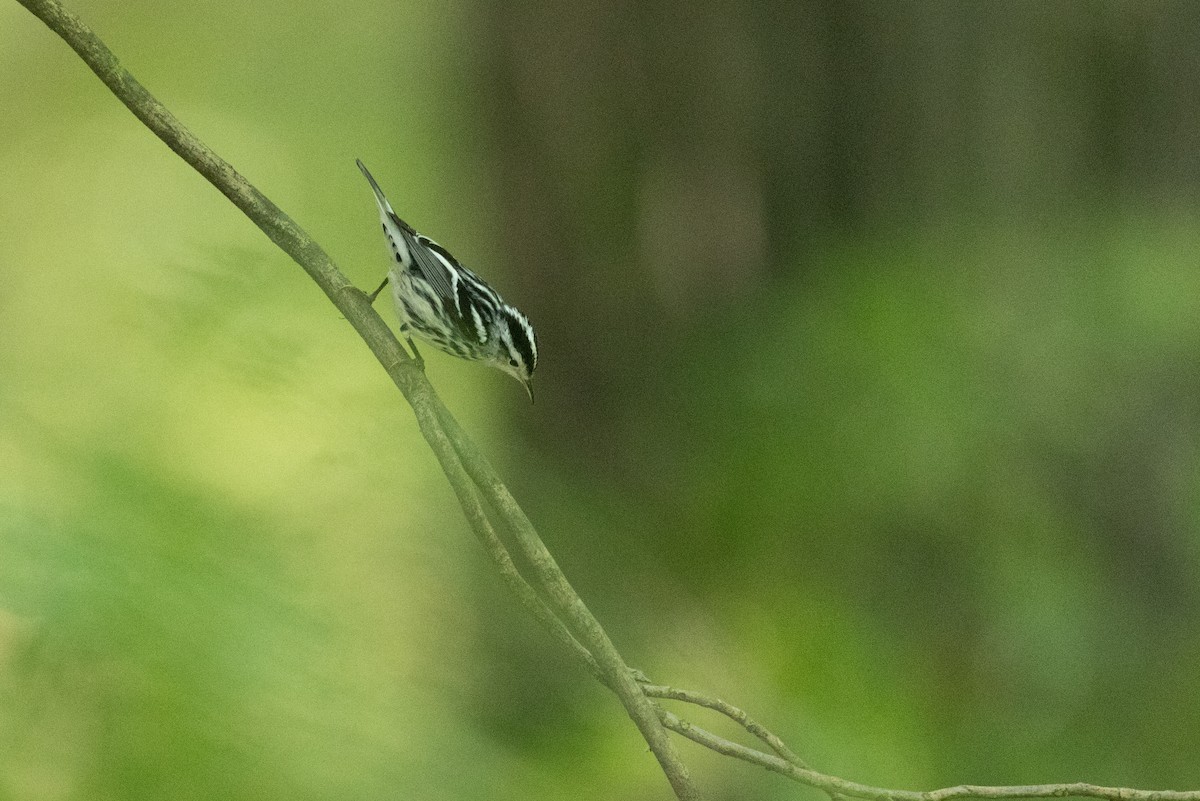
[447, 305]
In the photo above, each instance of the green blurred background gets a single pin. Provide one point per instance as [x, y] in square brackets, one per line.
[869, 396]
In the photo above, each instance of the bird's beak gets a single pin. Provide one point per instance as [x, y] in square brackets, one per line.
[529, 388]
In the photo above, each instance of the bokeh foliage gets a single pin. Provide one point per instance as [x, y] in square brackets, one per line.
[868, 398]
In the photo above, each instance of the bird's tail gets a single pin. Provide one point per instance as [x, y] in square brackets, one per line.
[380, 198]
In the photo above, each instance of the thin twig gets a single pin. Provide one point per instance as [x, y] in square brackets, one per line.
[730, 711]
[836, 786]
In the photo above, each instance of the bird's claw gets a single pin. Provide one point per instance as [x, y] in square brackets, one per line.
[371, 297]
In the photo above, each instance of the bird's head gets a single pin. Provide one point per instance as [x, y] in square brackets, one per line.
[517, 354]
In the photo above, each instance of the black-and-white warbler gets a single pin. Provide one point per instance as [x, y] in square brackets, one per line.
[447, 305]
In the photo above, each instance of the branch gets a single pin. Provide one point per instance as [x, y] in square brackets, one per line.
[615, 673]
[838, 787]
[356, 308]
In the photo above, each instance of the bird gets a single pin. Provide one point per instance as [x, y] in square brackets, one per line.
[441, 302]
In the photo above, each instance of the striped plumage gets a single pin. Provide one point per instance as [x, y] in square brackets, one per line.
[447, 305]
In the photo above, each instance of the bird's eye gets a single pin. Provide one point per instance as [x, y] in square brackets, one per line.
[513, 362]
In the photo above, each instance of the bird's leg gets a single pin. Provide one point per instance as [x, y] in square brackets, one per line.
[413, 346]
[375, 294]
[417, 355]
